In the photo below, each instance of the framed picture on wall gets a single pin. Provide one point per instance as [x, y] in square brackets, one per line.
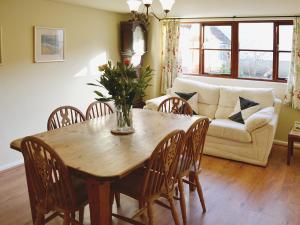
[48, 44]
[1, 46]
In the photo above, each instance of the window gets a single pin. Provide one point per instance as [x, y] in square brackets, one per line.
[217, 49]
[256, 50]
[246, 50]
[284, 52]
[189, 45]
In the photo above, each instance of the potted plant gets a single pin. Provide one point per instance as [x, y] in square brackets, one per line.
[124, 88]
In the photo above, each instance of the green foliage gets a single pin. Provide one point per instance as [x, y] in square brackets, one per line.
[122, 83]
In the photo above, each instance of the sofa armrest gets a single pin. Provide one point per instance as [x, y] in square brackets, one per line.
[277, 105]
[259, 119]
[270, 126]
[153, 103]
[264, 116]
[263, 138]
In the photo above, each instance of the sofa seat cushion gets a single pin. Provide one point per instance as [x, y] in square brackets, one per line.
[225, 128]
[230, 95]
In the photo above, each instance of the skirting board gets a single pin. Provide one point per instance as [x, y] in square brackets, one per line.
[284, 143]
[11, 165]
[17, 163]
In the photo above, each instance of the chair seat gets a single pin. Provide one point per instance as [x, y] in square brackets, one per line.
[80, 192]
[131, 185]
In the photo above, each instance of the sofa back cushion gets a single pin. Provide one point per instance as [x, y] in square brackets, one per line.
[229, 96]
[208, 95]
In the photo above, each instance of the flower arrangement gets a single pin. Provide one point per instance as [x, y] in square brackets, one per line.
[124, 87]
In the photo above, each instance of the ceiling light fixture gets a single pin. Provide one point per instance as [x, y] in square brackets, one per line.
[134, 6]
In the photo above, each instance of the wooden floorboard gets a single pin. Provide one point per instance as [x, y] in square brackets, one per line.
[235, 194]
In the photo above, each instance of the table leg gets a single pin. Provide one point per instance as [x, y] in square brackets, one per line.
[99, 202]
[290, 151]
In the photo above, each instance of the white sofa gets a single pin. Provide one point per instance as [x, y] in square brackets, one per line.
[250, 142]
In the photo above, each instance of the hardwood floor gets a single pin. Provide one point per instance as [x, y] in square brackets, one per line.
[235, 194]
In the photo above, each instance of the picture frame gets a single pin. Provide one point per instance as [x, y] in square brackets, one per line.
[1, 46]
[49, 44]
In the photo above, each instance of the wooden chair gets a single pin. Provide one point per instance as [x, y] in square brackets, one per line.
[175, 105]
[98, 109]
[64, 116]
[50, 185]
[155, 179]
[190, 162]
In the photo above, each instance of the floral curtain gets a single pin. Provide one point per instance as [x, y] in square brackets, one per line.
[171, 61]
[292, 96]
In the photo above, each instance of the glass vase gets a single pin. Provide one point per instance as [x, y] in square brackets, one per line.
[124, 120]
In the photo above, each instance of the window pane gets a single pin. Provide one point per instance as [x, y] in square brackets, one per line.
[257, 65]
[217, 37]
[285, 37]
[217, 62]
[256, 36]
[190, 61]
[284, 65]
[189, 35]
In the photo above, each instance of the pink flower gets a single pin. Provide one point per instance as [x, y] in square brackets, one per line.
[126, 62]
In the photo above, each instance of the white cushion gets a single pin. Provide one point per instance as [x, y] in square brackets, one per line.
[229, 96]
[193, 101]
[259, 119]
[208, 95]
[243, 109]
[224, 128]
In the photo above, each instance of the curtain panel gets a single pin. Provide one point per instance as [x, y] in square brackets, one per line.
[171, 62]
[292, 96]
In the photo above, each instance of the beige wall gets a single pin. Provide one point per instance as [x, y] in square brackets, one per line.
[152, 57]
[286, 121]
[30, 91]
[287, 115]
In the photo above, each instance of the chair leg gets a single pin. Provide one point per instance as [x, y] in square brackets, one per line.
[118, 201]
[141, 204]
[176, 191]
[73, 218]
[173, 209]
[39, 219]
[192, 180]
[182, 201]
[81, 215]
[150, 212]
[111, 197]
[200, 193]
[67, 218]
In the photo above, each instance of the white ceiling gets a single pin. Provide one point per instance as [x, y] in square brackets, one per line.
[206, 8]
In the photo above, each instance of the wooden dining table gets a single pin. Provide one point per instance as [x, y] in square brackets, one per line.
[91, 151]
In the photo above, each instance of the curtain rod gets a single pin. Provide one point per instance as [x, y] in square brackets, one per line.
[233, 17]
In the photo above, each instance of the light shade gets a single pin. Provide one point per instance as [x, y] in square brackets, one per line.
[167, 4]
[134, 5]
[147, 2]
